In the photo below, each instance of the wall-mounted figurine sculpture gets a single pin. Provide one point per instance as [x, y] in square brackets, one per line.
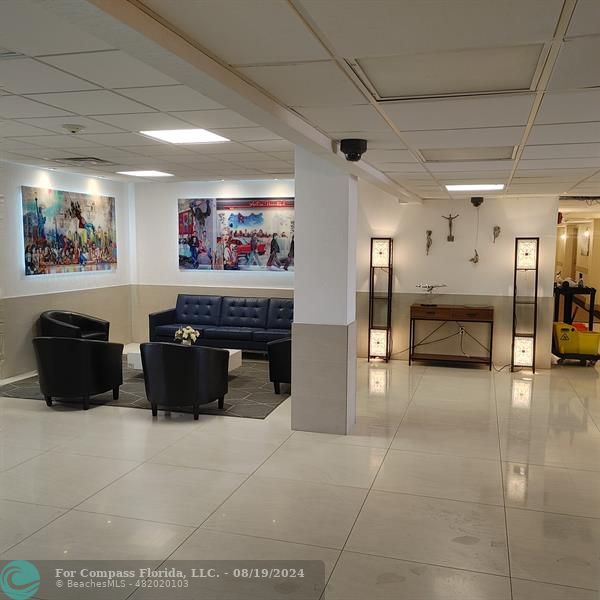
[450, 218]
[497, 231]
[430, 286]
[428, 242]
[475, 258]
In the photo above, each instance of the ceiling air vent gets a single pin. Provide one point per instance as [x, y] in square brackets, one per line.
[84, 161]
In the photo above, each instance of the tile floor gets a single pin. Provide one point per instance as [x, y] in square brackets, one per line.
[456, 484]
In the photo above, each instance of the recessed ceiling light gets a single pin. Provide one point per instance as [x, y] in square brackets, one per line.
[474, 187]
[185, 136]
[145, 173]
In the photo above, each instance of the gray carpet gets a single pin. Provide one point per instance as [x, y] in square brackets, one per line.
[250, 394]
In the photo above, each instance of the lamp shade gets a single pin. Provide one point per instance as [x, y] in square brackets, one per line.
[380, 252]
[523, 351]
[526, 253]
[378, 343]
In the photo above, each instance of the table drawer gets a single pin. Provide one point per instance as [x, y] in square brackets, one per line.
[435, 313]
[473, 314]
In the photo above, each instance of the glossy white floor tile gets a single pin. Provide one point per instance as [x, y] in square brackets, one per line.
[554, 548]
[411, 505]
[166, 494]
[462, 535]
[295, 511]
[311, 460]
[62, 480]
[19, 520]
[358, 576]
[440, 476]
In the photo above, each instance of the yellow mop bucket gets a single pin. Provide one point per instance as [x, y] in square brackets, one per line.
[588, 342]
[566, 338]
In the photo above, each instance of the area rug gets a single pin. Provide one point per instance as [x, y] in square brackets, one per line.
[250, 394]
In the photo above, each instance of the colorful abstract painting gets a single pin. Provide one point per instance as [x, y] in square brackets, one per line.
[67, 232]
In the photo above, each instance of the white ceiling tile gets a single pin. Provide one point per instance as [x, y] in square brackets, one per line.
[247, 156]
[389, 156]
[577, 65]
[16, 107]
[306, 84]
[465, 138]
[400, 167]
[391, 27]
[51, 153]
[272, 146]
[246, 134]
[538, 188]
[243, 31]
[218, 148]
[585, 19]
[553, 173]
[384, 139]
[472, 70]
[560, 163]
[361, 117]
[15, 128]
[473, 176]
[145, 121]
[170, 98]
[101, 102]
[287, 156]
[25, 26]
[28, 76]
[569, 107]
[55, 124]
[214, 118]
[460, 113]
[110, 69]
[570, 133]
[173, 151]
[120, 140]
[59, 141]
[481, 165]
[561, 151]
[15, 145]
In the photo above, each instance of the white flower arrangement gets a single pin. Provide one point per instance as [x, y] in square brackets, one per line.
[187, 334]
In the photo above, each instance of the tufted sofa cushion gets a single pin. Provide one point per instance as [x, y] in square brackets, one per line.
[244, 312]
[281, 313]
[198, 310]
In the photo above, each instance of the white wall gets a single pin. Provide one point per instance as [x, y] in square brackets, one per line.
[156, 217]
[13, 282]
[448, 262]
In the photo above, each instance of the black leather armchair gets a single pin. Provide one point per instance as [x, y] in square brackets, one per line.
[74, 368]
[280, 362]
[177, 375]
[62, 323]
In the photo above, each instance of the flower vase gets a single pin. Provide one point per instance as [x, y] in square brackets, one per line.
[186, 342]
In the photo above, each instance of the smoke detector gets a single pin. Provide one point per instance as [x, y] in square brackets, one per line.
[73, 127]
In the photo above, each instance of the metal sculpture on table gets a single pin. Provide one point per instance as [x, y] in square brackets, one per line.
[450, 219]
[429, 242]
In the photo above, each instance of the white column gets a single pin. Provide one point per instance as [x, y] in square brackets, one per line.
[324, 331]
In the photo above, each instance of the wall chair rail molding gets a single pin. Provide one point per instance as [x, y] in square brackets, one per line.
[380, 298]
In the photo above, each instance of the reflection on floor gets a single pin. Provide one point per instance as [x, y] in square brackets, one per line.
[457, 484]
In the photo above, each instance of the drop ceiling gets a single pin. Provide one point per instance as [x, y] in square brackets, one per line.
[471, 91]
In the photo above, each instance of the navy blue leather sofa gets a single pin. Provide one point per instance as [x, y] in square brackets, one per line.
[226, 321]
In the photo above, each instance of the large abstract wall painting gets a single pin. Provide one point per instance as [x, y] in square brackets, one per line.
[238, 234]
[67, 232]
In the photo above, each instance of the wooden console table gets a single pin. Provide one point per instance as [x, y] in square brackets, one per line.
[447, 313]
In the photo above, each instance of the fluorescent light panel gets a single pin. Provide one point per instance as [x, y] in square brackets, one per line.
[145, 173]
[474, 187]
[185, 136]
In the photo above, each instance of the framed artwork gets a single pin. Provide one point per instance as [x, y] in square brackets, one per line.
[584, 242]
[66, 232]
[236, 234]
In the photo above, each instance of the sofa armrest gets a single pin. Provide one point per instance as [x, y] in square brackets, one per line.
[106, 362]
[280, 360]
[163, 317]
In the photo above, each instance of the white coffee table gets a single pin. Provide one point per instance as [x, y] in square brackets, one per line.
[134, 357]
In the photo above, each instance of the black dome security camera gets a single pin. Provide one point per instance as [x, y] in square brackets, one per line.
[353, 148]
[476, 201]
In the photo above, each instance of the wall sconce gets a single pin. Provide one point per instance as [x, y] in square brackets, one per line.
[381, 252]
[563, 236]
[527, 253]
[378, 382]
[380, 298]
[523, 351]
[521, 393]
[378, 343]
